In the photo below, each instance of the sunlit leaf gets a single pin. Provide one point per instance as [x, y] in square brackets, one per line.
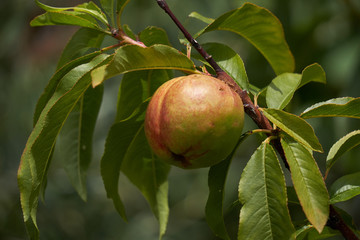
[262, 191]
[337, 107]
[229, 61]
[200, 17]
[76, 138]
[89, 8]
[262, 29]
[296, 127]
[83, 40]
[313, 73]
[308, 182]
[281, 90]
[343, 145]
[345, 188]
[39, 147]
[134, 58]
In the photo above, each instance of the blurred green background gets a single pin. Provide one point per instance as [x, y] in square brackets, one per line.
[323, 31]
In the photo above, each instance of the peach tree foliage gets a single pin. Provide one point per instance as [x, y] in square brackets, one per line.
[70, 104]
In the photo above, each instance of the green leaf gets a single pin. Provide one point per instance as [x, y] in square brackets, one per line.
[263, 30]
[343, 145]
[89, 8]
[136, 87]
[114, 9]
[337, 107]
[149, 175]
[117, 142]
[229, 61]
[76, 138]
[109, 9]
[82, 41]
[313, 73]
[281, 90]
[126, 28]
[134, 58]
[154, 35]
[262, 191]
[120, 5]
[217, 181]
[39, 147]
[345, 188]
[200, 17]
[296, 127]
[308, 182]
[56, 78]
[66, 18]
[214, 205]
[309, 232]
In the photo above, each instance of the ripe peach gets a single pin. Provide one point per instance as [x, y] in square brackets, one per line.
[194, 121]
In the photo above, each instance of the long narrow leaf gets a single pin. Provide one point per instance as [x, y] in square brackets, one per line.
[135, 87]
[38, 149]
[120, 5]
[262, 191]
[262, 29]
[76, 138]
[344, 144]
[89, 8]
[337, 107]
[308, 182]
[214, 205]
[149, 174]
[134, 58]
[118, 141]
[109, 9]
[66, 18]
[295, 127]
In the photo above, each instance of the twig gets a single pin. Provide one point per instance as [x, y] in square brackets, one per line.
[125, 39]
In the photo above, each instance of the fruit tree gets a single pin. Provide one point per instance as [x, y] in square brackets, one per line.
[184, 108]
